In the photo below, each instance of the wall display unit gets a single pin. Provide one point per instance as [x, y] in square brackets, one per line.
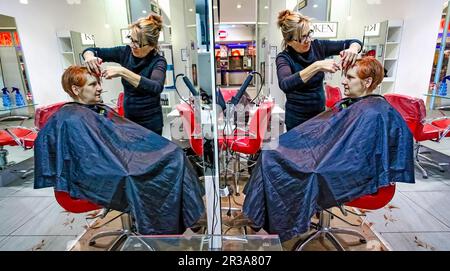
[382, 40]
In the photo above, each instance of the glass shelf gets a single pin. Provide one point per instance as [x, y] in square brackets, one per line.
[202, 243]
[17, 110]
[437, 96]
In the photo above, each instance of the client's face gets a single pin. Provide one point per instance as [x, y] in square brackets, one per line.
[91, 92]
[353, 85]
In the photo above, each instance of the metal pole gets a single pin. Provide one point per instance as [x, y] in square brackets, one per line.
[441, 56]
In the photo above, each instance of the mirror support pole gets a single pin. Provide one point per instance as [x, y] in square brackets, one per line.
[441, 56]
[214, 215]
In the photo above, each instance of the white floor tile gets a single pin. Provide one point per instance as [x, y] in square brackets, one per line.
[403, 215]
[16, 211]
[36, 243]
[8, 191]
[420, 241]
[437, 203]
[53, 221]
[431, 184]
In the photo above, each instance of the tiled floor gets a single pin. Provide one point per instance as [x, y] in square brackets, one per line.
[418, 218]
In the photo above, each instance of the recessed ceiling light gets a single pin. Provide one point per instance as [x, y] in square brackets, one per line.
[239, 6]
[233, 25]
[107, 26]
[25, 2]
[315, 6]
[214, 7]
[349, 18]
[266, 7]
[144, 11]
[191, 10]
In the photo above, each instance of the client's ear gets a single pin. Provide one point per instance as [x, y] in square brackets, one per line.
[368, 82]
[76, 90]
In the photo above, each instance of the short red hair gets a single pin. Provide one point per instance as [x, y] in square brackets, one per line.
[370, 67]
[74, 75]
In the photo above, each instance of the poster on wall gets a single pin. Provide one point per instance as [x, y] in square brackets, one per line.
[125, 34]
[87, 39]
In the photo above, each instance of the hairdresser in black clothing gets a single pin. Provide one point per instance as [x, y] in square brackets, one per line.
[301, 66]
[142, 71]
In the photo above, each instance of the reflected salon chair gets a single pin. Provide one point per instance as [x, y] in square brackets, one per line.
[250, 140]
[413, 111]
[323, 229]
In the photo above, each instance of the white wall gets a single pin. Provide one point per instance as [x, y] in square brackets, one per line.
[37, 24]
[421, 24]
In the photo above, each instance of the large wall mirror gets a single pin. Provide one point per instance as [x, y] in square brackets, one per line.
[16, 94]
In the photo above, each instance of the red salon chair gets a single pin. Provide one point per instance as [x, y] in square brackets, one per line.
[16, 136]
[250, 140]
[413, 112]
[323, 229]
[333, 95]
[75, 205]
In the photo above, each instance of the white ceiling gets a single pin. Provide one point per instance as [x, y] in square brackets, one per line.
[230, 13]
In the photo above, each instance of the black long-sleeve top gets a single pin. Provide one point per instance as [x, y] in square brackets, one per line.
[305, 100]
[141, 103]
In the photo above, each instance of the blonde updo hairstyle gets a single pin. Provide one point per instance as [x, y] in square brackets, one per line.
[292, 25]
[147, 29]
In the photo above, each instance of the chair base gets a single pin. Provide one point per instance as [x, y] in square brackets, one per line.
[424, 160]
[121, 234]
[324, 230]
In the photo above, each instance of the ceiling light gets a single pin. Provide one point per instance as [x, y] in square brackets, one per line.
[266, 7]
[315, 6]
[107, 26]
[233, 25]
[214, 7]
[349, 18]
[144, 11]
[191, 10]
[239, 6]
[25, 2]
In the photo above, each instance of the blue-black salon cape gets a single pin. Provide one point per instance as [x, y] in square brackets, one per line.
[329, 160]
[118, 164]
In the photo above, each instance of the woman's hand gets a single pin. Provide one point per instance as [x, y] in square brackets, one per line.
[113, 72]
[93, 64]
[327, 65]
[348, 58]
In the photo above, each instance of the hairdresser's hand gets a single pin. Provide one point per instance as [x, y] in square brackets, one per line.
[327, 65]
[113, 72]
[93, 64]
[348, 58]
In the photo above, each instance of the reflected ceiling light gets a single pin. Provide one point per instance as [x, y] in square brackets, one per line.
[144, 11]
[266, 7]
[107, 26]
[315, 6]
[233, 25]
[239, 6]
[25, 2]
[214, 7]
[191, 10]
[349, 17]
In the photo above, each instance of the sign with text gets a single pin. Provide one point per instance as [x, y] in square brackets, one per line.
[325, 30]
[372, 30]
[87, 39]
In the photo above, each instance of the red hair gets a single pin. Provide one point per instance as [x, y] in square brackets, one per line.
[74, 76]
[370, 67]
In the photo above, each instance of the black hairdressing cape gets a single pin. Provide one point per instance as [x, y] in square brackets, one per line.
[336, 157]
[94, 154]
